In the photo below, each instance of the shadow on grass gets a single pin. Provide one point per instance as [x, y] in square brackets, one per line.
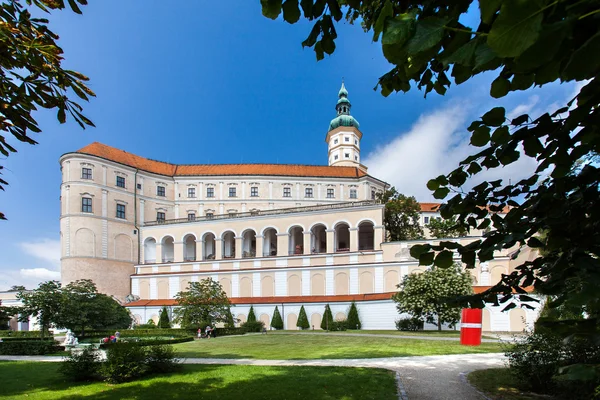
[207, 382]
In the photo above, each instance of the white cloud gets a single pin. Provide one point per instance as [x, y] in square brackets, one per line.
[39, 261]
[44, 249]
[41, 274]
[524, 108]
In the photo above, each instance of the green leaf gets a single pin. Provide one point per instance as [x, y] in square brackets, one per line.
[520, 120]
[426, 258]
[481, 136]
[429, 32]
[516, 28]
[474, 168]
[386, 11]
[433, 184]
[488, 9]
[483, 55]
[522, 81]
[584, 62]
[271, 8]
[444, 259]
[418, 249]
[532, 146]
[494, 117]
[307, 6]
[398, 30]
[74, 6]
[500, 87]
[464, 54]
[291, 11]
[61, 115]
[501, 135]
[313, 35]
[440, 193]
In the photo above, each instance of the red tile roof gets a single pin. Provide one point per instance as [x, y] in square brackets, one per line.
[435, 207]
[163, 168]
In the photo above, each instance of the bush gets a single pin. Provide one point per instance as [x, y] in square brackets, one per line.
[251, 315]
[161, 359]
[338, 325]
[256, 326]
[353, 319]
[276, 321]
[124, 362]
[29, 347]
[409, 324]
[149, 341]
[24, 334]
[538, 359]
[27, 339]
[81, 366]
[302, 319]
[327, 320]
[230, 331]
[163, 321]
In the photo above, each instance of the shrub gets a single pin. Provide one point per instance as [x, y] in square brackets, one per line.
[353, 319]
[251, 315]
[230, 331]
[26, 339]
[124, 362]
[25, 334]
[29, 347]
[409, 324]
[163, 321]
[83, 365]
[327, 320]
[256, 326]
[276, 321]
[302, 319]
[161, 359]
[338, 325]
[150, 341]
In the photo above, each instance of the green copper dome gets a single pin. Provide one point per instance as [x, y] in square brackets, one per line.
[343, 111]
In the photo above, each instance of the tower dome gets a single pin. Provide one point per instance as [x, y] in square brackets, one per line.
[342, 107]
[343, 136]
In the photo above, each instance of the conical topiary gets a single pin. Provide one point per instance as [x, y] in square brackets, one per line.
[163, 321]
[353, 319]
[251, 316]
[302, 320]
[327, 320]
[230, 322]
[276, 321]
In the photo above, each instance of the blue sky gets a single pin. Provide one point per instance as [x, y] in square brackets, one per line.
[222, 84]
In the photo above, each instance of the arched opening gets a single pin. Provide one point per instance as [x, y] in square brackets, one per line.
[228, 244]
[144, 289]
[318, 239]
[518, 319]
[390, 280]
[209, 246]
[249, 243]
[150, 251]
[189, 248]
[168, 249]
[294, 285]
[342, 237]
[340, 316]
[366, 236]
[342, 283]
[292, 320]
[267, 286]
[269, 242]
[365, 283]
[296, 241]
[226, 285]
[245, 287]
[486, 319]
[317, 285]
[163, 288]
[315, 321]
[266, 320]
[497, 272]
[241, 319]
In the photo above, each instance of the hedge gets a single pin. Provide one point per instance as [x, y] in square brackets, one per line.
[153, 342]
[23, 334]
[160, 332]
[29, 348]
[26, 339]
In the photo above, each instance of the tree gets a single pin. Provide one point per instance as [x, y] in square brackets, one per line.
[327, 320]
[45, 303]
[204, 302]
[32, 75]
[17, 288]
[425, 296]
[302, 322]
[230, 322]
[5, 315]
[523, 44]
[276, 321]
[163, 320]
[402, 215]
[445, 228]
[251, 316]
[353, 319]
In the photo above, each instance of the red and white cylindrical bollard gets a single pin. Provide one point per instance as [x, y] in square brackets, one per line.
[470, 327]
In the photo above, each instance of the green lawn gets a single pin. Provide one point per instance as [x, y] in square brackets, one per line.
[500, 384]
[42, 381]
[395, 332]
[299, 347]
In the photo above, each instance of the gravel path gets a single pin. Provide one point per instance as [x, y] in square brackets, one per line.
[419, 378]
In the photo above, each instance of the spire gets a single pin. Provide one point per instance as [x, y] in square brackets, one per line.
[343, 92]
[342, 109]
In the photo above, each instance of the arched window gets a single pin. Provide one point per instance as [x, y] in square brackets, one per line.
[228, 244]
[150, 251]
[269, 242]
[209, 246]
[168, 249]
[342, 237]
[318, 239]
[189, 248]
[296, 241]
[366, 236]
[249, 243]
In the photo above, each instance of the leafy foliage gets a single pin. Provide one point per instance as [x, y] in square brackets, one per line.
[445, 228]
[163, 320]
[402, 215]
[409, 324]
[124, 362]
[302, 322]
[28, 347]
[353, 321]
[253, 326]
[161, 359]
[82, 365]
[426, 296]
[251, 315]
[45, 303]
[276, 321]
[327, 321]
[5, 315]
[32, 74]
[205, 301]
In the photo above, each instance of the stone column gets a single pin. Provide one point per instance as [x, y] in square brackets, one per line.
[330, 240]
[259, 245]
[218, 249]
[283, 244]
[177, 251]
[238, 246]
[378, 232]
[158, 252]
[199, 250]
[307, 249]
[353, 239]
[142, 214]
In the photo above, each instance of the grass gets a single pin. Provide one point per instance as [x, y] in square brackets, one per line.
[500, 384]
[301, 347]
[42, 381]
[395, 332]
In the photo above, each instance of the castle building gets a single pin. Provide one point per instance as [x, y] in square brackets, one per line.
[271, 234]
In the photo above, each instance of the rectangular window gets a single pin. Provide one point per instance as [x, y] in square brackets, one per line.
[287, 192]
[86, 205]
[356, 142]
[120, 181]
[335, 157]
[121, 211]
[160, 216]
[209, 215]
[353, 193]
[330, 194]
[254, 191]
[232, 192]
[160, 191]
[139, 186]
[191, 217]
[335, 141]
[347, 155]
[210, 192]
[191, 192]
[346, 139]
[372, 195]
[426, 220]
[86, 173]
[308, 192]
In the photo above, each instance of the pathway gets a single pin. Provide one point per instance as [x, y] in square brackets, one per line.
[420, 378]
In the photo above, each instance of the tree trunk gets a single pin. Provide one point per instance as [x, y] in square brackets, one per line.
[439, 323]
